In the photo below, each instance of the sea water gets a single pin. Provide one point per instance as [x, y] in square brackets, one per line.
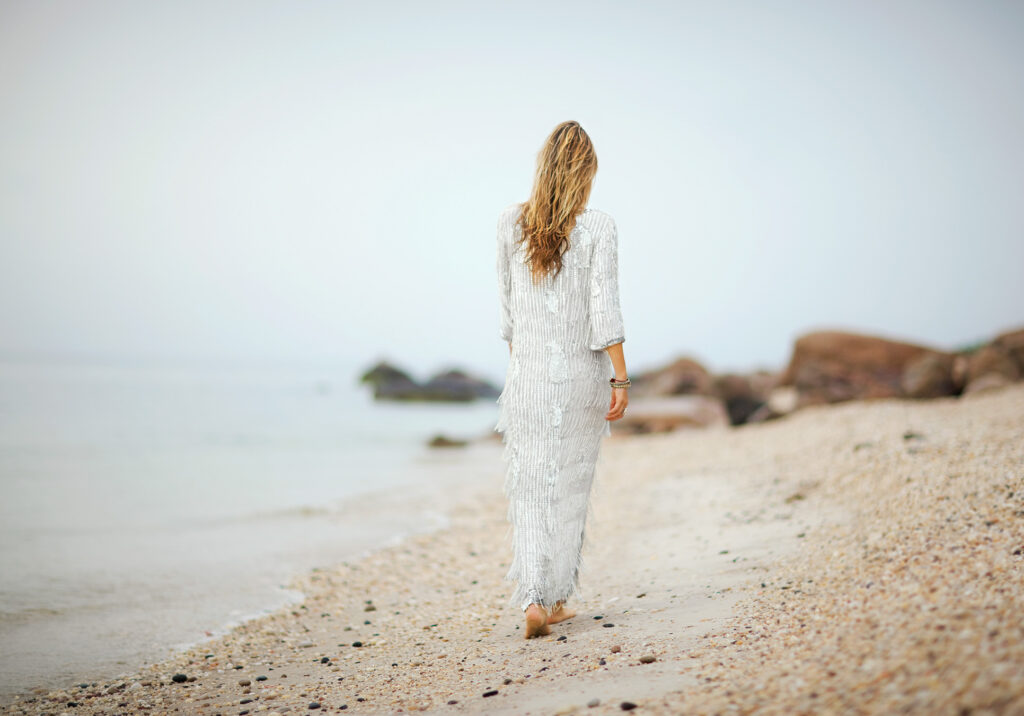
[143, 509]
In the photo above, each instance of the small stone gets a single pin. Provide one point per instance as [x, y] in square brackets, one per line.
[244, 682]
[599, 616]
[325, 660]
[593, 702]
[607, 624]
[261, 678]
[601, 662]
[369, 608]
[561, 638]
[492, 692]
[357, 643]
[647, 659]
[616, 649]
[245, 701]
[452, 702]
[314, 704]
[305, 644]
[508, 681]
[627, 706]
[179, 678]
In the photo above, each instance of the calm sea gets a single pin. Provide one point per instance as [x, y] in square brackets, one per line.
[146, 509]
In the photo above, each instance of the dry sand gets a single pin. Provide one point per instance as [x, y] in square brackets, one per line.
[857, 558]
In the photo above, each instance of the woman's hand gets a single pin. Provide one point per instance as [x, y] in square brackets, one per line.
[620, 399]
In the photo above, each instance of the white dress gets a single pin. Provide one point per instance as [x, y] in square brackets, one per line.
[556, 394]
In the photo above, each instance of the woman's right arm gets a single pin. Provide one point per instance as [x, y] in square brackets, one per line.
[620, 396]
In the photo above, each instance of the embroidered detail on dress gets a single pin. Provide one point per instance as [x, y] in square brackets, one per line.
[558, 367]
[552, 300]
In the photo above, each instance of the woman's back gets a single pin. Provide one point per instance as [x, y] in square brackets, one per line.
[576, 309]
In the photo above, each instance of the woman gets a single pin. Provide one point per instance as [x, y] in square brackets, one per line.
[560, 313]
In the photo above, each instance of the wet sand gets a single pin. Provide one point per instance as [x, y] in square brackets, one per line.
[856, 558]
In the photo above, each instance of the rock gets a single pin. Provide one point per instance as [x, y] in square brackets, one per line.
[648, 659]
[457, 385]
[986, 383]
[930, 375]
[664, 414]
[1012, 343]
[627, 706]
[244, 682]
[389, 382]
[314, 704]
[683, 376]
[443, 441]
[833, 366]
[741, 394]
[991, 359]
[616, 649]
[179, 678]
[492, 692]
[593, 703]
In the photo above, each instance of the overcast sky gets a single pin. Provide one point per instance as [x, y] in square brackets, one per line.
[321, 181]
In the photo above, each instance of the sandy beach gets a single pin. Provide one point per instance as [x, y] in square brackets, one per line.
[863, 557]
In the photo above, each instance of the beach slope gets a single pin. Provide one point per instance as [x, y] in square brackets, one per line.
[859, 558]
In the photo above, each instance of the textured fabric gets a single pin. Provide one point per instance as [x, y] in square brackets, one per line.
[556, 393]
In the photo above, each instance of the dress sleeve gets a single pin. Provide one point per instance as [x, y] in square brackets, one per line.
[606, 327]
[504, 280]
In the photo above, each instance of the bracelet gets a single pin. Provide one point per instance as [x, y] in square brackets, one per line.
[620, 383]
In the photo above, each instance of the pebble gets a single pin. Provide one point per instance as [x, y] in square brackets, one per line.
[492, 692]
[648, 659]
[627, 706]
[179, 678]
[607, 624]
[593, 702]
[314, 704]
[244, 682]
[261, 678]
[357, 643]
[616, 649]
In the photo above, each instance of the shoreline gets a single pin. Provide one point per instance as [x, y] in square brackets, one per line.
[703, 552]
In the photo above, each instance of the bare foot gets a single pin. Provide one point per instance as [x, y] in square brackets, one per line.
[536, 621]
[560, 613]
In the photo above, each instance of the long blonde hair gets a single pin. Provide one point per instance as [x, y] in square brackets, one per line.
[566, 166]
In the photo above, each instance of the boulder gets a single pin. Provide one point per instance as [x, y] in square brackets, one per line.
[930, 375]
[443, 441]
[390, 383]
[990, 367]
[781, 401]
[457, 385]
[993, 358]
[985, 383]
[664, 414]
[742, 394]
[683, 376]
[1012, 343]
[832, 366]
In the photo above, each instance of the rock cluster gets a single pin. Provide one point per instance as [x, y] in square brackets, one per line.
[832, 366]
[825, 367]
[392, 383]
